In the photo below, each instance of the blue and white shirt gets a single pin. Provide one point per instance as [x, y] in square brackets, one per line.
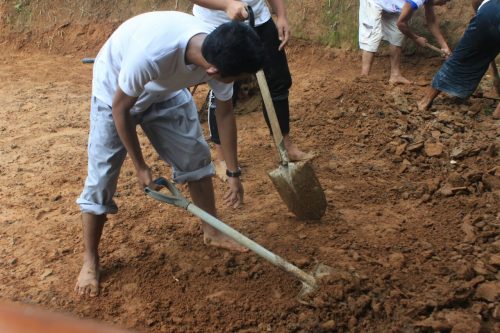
[395, 6]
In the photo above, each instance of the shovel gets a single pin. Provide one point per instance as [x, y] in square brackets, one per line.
[296, 183]
[309, 283]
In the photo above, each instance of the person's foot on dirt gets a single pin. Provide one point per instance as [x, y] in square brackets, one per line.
[212, 237]
[399, 79]
[296, 155]
[87, 283]
[496, 113]
[423, 104]
[496, 84]
[220, 170]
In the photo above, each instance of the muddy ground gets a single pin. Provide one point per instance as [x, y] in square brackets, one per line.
[411, 230]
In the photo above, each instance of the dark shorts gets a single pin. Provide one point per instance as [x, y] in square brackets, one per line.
[460, 75]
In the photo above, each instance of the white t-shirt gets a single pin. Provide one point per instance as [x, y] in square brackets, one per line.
[217, 17]
[395, 6]
[145, 57]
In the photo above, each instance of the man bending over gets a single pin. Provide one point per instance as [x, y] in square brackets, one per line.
[140, 78]
[389, 20]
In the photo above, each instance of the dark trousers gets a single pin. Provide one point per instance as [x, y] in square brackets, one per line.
[278, 79]
[460, 75]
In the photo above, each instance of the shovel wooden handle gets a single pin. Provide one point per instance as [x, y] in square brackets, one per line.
[435, 49]
[271, 114]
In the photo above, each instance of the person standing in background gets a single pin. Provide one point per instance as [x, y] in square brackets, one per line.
[389, 20]
[275, 36]
[460, 75]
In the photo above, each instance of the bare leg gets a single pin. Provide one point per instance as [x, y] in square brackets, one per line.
[202, 194]
[396, 76]
[88, 279]
[220, 163]
[294, 153]
[496, 77]
[366, 62]
[496, 114]
[426, 102]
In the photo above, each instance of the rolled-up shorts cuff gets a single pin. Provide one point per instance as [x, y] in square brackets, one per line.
[90, 207]
[181, 177]
[369, 47]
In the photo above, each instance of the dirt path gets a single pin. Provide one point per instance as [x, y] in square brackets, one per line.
[411, 228]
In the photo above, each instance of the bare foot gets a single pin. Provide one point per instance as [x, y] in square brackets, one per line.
[496, 113]
[213, 237]
[295, 154]
[423, 104]
[220, 170]
[87, 283]
[399, 79]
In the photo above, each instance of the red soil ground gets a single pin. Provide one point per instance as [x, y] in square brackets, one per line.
[411, 230]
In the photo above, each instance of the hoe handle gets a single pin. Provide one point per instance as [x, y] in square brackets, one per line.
[175, 198]
[274, 259]
[271, 114]
[178, 200]
[435, 49]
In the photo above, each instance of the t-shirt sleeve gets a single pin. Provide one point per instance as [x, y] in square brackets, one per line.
[135, 73]
[222, 91]
[415, 4]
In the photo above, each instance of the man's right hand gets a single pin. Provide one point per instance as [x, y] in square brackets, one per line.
[236, 10]
[145, 178]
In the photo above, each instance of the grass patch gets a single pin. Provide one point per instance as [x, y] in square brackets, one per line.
[341, 20]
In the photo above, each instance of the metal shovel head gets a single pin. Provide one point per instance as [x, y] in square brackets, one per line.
[300, 190]
[308, 291]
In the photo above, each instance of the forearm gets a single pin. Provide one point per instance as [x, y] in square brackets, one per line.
[125, 127]
[404, 27]
[436, 32]
[128, 135]
[278, 7]
[227, 133]
[433, 25]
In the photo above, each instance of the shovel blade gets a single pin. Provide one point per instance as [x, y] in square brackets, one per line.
[300, 190]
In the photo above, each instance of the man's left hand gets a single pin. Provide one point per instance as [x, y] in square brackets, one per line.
[283, 31]
[234, 196]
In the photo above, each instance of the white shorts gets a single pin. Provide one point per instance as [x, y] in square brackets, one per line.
[375, 24]
[173, 129]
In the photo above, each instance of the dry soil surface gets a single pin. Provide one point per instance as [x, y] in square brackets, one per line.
[411, 230]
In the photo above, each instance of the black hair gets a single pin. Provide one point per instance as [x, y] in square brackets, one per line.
[234, 48]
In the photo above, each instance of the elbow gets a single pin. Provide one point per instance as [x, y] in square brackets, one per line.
[401, 25]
